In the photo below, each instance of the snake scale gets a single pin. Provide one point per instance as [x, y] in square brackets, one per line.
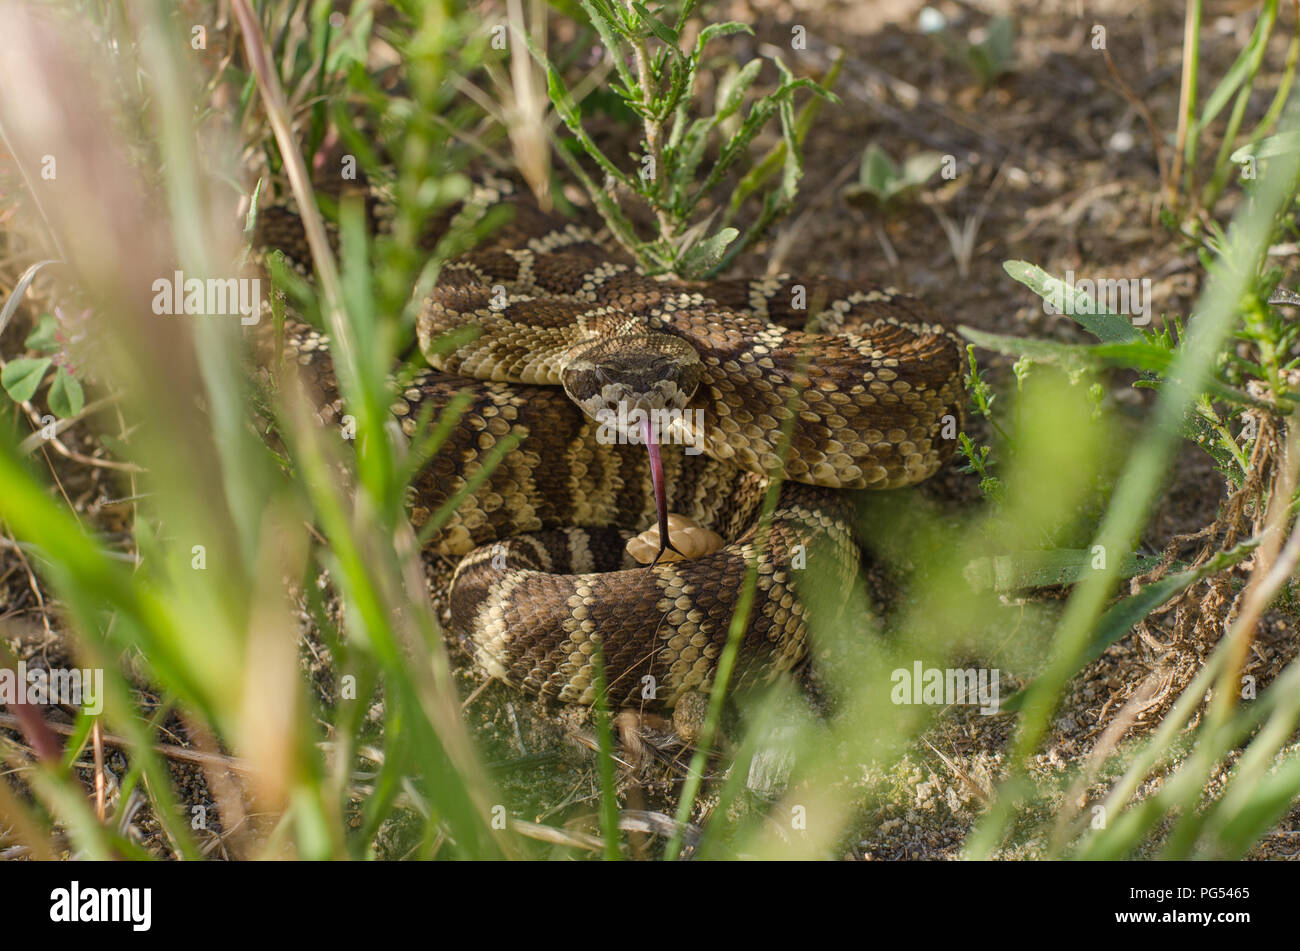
[543, 575]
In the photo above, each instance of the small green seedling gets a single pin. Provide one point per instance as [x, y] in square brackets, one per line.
[21, 378]
[882, 181]
[990, 57]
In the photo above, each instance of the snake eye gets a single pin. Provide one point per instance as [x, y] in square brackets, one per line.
[662, 366]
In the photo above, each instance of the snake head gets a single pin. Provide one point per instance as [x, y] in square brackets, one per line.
[613, 377]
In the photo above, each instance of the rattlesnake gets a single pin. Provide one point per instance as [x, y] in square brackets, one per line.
[871, 401]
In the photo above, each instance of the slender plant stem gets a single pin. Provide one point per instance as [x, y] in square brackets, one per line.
[1185, 139]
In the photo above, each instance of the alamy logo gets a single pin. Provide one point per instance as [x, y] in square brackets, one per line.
[947, 687]
[685, 426]
[72, 904]
[77, 688]
[215, 297]
[1130, 297]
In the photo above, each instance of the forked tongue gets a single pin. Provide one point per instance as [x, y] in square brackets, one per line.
[661, 494]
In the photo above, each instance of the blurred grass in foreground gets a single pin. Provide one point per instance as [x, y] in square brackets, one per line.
[220, 531]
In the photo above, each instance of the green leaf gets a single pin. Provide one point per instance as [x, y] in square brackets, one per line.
[1234, 77]
[1000, 42]
[689, 155]
[883, 180]
[21, 377]
[610, 102]
[732, 94]
[877, 171]
[608, 208]
[1037, 569]
[659, 29]
[792, 168]
[1270, 147]
[118, 447]
[250, 219]
[66, 398]
[1268, 801]
[42, 336]
[1136, 355]
[994, 55]
[1122, 616]
[776, 156]
[703, 255]
[568, 111]
[11, 304]
[1148, 356]
[720, 29]
[570, 8]
[762, 111]
[1075, 304]
[560, 98]
[1071, 356]
[679, 74]
[918, 168]
[608, 29]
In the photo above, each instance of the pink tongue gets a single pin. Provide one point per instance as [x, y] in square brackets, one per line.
[657, 477]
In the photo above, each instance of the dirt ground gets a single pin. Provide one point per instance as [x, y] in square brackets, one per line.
[1057, 167]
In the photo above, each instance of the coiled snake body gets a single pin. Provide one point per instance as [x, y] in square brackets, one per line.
[863, 403]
